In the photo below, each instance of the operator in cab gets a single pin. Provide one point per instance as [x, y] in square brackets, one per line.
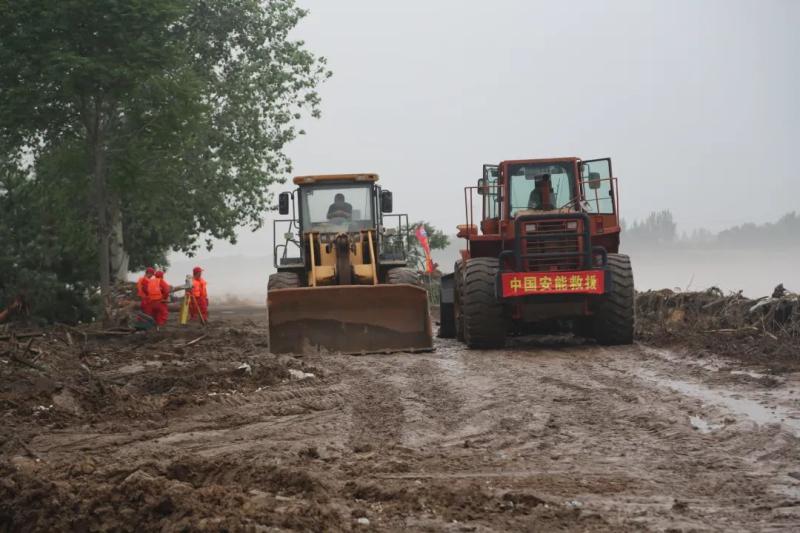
[339, 208]
[541, 197]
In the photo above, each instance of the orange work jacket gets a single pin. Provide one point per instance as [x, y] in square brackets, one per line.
[154, 289]
[199, 289]
[141, 287]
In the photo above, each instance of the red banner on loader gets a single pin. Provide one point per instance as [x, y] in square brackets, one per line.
[576, 282]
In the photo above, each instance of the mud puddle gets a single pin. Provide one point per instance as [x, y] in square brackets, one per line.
[702, 425]
[751, 409]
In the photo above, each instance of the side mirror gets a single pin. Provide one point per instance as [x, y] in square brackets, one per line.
[283, 203]
[483, 188]
[594, 180]
[386, 201]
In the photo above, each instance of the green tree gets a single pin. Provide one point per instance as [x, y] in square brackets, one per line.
[166, 118]
[41, 244]
[437, 240]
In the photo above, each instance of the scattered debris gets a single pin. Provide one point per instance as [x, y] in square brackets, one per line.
[195, 341]
[727, 324]
[713, 311]
[299, 374]
[21, 336]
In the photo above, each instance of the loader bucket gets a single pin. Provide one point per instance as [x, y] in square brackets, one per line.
[352, 319]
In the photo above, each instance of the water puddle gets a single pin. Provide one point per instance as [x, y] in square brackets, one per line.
[708, 363]
[754, 375]
[733, 402]
[702, 425]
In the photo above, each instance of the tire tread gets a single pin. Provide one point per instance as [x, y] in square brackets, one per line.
[615, 314]
[483, 317]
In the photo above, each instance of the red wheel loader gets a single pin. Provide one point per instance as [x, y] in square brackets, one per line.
[342, 283]
[546, 249]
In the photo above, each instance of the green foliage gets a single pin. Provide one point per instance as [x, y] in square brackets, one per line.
[172, 115]
[436, 239]
[41, 252]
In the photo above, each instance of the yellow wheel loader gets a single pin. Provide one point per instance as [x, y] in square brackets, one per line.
[342, 282]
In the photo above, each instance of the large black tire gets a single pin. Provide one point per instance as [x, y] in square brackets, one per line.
[458, 296]
[484, 321]
[283, 280]
[614, 315]
[400, 275]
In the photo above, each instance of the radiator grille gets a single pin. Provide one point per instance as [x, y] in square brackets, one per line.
[557, 245]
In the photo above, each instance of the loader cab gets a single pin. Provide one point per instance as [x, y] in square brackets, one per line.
[329, 205]
[336, 207]
[335, 203]
[545, 188]
[516, 187]
[539, 186]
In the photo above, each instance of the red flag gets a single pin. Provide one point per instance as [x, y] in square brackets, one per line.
[422, 237]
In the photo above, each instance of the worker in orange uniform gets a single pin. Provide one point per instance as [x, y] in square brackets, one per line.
[141, 289]
[165, 292]
[200, 294]
[156, 288]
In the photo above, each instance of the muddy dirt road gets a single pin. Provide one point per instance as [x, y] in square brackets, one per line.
[550, 435]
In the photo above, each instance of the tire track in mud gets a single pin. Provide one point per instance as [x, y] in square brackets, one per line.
[712, 471]
[376, 413]
[591, 413]
[432, 403]
[296, 411]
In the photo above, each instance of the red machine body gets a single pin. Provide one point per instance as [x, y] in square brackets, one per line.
[548, 233]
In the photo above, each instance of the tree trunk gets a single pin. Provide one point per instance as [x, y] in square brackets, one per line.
[97, 150]
[118, 256]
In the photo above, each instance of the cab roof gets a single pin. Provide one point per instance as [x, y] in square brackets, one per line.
[540, 160]
[321, 178]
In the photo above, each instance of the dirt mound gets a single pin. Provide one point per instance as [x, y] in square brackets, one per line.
[66, 376]
[148, 499]
[767, 329]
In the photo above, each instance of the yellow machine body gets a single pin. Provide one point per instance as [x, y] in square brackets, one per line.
[344, 300]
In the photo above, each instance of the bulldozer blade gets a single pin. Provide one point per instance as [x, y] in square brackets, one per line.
[351, 319]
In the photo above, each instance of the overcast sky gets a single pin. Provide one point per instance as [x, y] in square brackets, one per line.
[696, 102]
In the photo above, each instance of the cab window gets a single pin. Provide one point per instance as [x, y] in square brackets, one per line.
[597, 187]
[529, 181]
[490, 192]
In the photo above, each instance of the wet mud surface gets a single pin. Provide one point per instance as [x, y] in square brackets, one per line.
[552, 434]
